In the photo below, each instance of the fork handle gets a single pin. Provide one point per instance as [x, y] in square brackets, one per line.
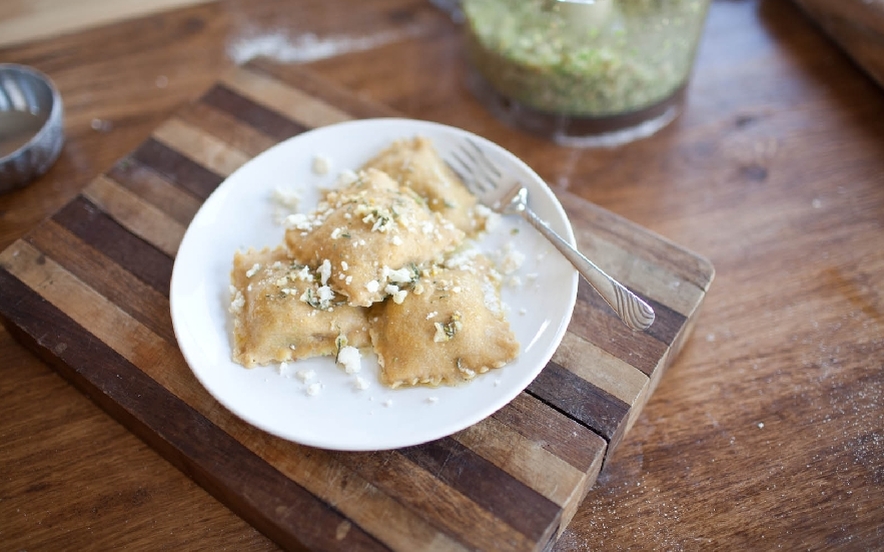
[634, 312]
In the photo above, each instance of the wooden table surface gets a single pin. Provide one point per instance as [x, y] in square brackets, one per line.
[767, 432]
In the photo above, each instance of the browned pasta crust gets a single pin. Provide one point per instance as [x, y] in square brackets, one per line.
[367, 232]
[281, 311]
[450, 331]
[416, 163]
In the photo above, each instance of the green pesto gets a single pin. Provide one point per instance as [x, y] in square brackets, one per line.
[610, 58]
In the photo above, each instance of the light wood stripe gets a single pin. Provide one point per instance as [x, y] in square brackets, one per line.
[154, 189]
[606, 372]
[528, 462]
[288, 101]
[227, 128]
[200, 147]
[644, 276]
[139, 217]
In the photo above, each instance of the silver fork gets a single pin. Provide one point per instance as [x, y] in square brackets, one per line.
[484, 179]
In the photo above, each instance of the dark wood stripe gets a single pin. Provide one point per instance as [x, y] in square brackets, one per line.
[177, 168]
[556, 432]
[596, 322]
[150, 186]
[140, 301]
[268, 121]
[667, 322]
[591, 406]
[496, 491]
[235, 475]
[85, 220]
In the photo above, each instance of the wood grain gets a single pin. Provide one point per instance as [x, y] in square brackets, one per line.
[23, 21]
[101, 266]
[857, 26]
[765, 433]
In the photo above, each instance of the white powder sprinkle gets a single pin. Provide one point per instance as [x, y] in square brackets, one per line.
[282, 47]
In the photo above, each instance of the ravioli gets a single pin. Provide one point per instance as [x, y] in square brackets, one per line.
[282, 311]
[416, 163]
[446, 332]
[370, 232]
[382, 262]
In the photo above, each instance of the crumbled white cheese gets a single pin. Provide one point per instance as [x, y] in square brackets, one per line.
[254, 270]
[314, 388]
[388, 403]
[305, 375]
[303, 274]
[238, 302]
[350, 359]
[492, 219]
[432, 400]
[321, 164]
[284, 369]
[401, 276]
[298, 221]
[372, 286]
[290, 199]
[512, 260]
[346, 178]
[399, 296]
[324, 271]
[361, 383]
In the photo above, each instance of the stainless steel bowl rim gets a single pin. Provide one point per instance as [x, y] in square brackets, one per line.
[53, 112]
[39, 153]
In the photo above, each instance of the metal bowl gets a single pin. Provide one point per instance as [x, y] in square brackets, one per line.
[31, 132]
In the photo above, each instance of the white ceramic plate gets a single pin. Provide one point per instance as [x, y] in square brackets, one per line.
[240, 214]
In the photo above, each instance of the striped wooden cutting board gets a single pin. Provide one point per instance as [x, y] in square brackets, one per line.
[88, 290]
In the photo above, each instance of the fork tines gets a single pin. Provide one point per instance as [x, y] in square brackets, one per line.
[474, 168]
